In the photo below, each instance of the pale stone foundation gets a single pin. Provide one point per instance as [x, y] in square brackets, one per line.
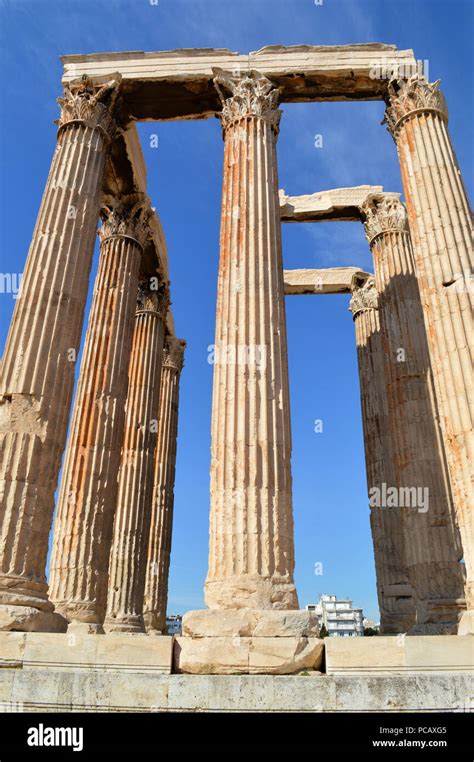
[248, 641]
[122, 673]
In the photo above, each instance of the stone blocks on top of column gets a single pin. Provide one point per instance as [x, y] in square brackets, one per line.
[249, 641]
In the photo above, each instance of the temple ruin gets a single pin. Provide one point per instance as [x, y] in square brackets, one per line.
[108, 572]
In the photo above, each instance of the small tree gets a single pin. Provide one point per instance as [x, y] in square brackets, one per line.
[323, 633]
[370, 631]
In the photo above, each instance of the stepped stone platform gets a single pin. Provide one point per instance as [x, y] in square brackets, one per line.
[133, 673]
[400, 654]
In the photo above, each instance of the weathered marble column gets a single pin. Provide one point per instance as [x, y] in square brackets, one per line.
[395, 594]
[432, 543]
[128, 553]
[440, 225]
[88, 492]
[251, 556]
[38, 362]
[159, 547]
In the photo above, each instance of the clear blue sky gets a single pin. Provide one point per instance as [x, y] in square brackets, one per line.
[184, 175]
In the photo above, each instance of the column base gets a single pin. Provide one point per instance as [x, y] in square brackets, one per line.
[127, 624]
[396, 624]
[398, 614]
[250, 592]
[82, 617]
[248, 641]
[16, 590]
[85, 628]
[25, 607]
[438, 616]
[155, 624]
[434, 628]
[30, 619]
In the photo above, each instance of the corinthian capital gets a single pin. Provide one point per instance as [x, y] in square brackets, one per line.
[250, 94]
[91, 103]
[408, 96]
[154, 300]
[126, 216]
[173, 353]
[383, 213]
[364, 294]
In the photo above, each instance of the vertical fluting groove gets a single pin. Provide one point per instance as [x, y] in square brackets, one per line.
[244, 339]
[131, 530]
[251, 542]
[440, 223]
[431, 540]
[272, 381]
[87, 496]
[37, 370]
[255, 463]
[161, 522]
[261, 419]
[394, 592]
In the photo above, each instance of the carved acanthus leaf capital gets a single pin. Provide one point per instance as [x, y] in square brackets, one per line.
[250, 94]
[153, 299]
[173, 353]
[364, 294]
[126, 216]
[409, 96]
[383, 213]
[91, 103]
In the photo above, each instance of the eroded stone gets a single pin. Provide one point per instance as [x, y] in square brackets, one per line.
[251, 656]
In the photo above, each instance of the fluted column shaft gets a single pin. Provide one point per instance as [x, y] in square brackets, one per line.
[440, 225]
[128, 554]
[251, 556]
[39, 358]
[88, 491]
[159, 546]
[395, 594]
[432, 544]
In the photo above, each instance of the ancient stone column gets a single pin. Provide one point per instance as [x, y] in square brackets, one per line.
[88, 491]
[432, 543]
[128, 553]
[159, 547]
[395, 594]
[40, 352]
[251, 556]
[440, 225]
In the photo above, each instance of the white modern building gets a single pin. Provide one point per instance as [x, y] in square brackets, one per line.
[339, 616]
